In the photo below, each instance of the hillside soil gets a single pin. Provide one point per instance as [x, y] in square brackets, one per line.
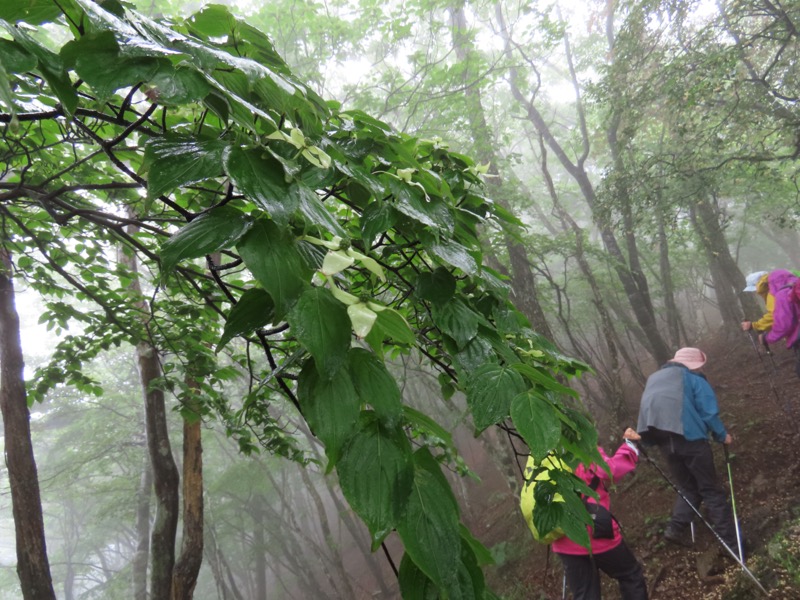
[759, 397]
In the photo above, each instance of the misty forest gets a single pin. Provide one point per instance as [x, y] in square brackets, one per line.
[290, 290]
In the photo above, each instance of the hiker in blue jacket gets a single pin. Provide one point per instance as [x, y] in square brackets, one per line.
[678, 412]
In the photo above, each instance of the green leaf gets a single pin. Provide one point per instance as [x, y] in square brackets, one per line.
[580, 436]
[481, 553]
[14, 58]
[176, 162]
[174, 86]
[321, 324]
[376, 472]
[6, 95]
[414, 584]
[219, 105]
[429, 527]
[377, 218]
[490, 390]
[254, 309]
[271, 254]
[474, 355]
[213, 20]
[457, 320]
[391, 324]
[220, 228]
[375, 385]
[97, 60]
[50, 66]
[454, 254]
[331, 407]
[412, 203]
[558, 505]
[426, 425]
[312, 208]
[544, 379]
[469, 583]
[261, 179]
[536, 421]
[437, 287]
[34, 12]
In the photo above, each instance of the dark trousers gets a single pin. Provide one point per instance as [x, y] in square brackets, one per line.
[692, 466]
[583, 573]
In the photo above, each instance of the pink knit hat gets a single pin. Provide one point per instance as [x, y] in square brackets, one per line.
[691, 358]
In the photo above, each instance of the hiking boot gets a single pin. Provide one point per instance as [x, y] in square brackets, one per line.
[674, 536]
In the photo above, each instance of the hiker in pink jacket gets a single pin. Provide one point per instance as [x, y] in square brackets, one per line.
[608, 554]
[785, 317]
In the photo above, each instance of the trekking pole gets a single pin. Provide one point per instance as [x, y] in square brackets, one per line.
[703, 519]
[768, 352]
[733, 503]
[564, 587]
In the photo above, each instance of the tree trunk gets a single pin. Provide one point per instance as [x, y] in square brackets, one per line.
[259, 546]
[142, 553]
[523, 282]
[665, 270]
[165, 475]
[640, 303]
[33, 567]
[188, 566]
[71, 534]
[614, 391]
[328, 535]
[225, 582]
[728, 279]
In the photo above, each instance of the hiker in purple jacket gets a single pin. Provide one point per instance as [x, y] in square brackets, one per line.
[785, 322]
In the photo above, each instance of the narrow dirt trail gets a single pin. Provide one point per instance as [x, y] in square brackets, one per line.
[759, 397]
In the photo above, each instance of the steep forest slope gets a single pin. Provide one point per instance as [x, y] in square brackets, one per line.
[759, 399]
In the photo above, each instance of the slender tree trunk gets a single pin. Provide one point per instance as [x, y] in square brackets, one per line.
[523, 282]
[71, 535]
[614, 391]
[188, 566]
[728, 279]
[327, 533]
[33, 567]
[165, 475]
[622, 196]
[259, 546]
[639, 302]
[665, 271]
[165, 472]
[297, 547]
[142, 553]
[223, 577]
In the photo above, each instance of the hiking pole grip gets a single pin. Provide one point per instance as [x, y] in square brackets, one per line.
[749, 333]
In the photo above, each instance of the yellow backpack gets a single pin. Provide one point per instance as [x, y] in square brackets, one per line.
[526, 498]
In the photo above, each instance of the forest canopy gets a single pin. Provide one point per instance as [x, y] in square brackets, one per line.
[330, 243]
[274, 237]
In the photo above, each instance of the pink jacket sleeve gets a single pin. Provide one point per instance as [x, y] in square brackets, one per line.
[621, 463]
